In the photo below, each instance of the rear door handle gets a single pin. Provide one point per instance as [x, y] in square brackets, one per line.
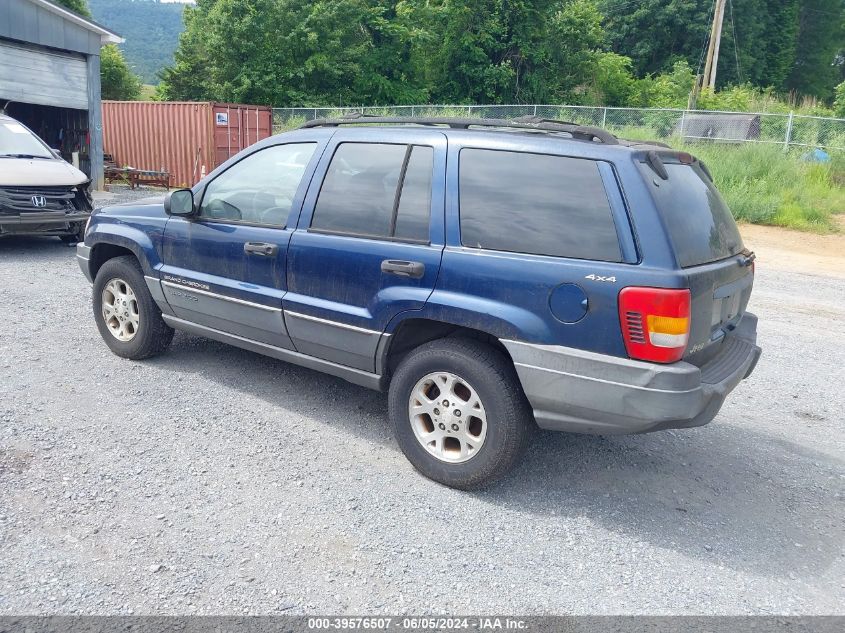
[415, 270]
[261, 248]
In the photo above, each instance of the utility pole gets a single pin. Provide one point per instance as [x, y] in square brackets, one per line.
[709, 77]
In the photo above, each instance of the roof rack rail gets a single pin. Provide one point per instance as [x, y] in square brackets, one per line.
[579, 132]
[533, 118]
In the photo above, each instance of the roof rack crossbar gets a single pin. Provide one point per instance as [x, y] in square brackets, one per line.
[580, 132]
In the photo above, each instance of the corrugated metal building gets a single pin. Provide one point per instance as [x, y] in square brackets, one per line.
[184, 138]
[50, 77]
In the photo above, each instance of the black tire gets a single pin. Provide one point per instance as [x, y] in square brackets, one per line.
[153, 335]
[510, 422]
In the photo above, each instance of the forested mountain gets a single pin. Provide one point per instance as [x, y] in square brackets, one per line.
[151, 29]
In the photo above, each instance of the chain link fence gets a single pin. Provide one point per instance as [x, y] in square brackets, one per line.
[788, 130]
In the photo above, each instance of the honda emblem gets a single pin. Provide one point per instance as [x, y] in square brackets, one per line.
[39, 201]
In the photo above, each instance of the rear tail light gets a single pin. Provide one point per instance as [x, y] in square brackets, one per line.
[655, 323]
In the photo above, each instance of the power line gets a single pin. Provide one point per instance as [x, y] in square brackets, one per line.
[706, 40]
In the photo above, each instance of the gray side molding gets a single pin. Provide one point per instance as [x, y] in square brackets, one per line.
[350, 374]
[154, 286]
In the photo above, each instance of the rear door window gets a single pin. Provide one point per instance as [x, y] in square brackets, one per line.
[412, 215]
[700, 225]
[537, 204]
[377, 190]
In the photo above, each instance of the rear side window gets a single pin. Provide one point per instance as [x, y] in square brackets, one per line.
[535, 203]
[700, 225]
[378, 191]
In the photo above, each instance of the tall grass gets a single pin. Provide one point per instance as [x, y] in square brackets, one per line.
[763, 184]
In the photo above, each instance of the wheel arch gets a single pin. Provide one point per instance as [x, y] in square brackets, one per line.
[108, 246]
[413, 331]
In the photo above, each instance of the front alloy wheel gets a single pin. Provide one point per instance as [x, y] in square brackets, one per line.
[126, 314]
[120, 310]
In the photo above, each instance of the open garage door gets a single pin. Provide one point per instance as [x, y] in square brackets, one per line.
[42, 76]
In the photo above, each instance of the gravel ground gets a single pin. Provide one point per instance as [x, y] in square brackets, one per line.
[120, 194]
[213, 480]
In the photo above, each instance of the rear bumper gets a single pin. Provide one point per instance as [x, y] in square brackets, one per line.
[583, 392]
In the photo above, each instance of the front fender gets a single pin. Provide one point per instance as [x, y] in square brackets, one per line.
[125, 236]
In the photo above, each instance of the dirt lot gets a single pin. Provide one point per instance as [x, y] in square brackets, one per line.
[795, 251]
[212, 480]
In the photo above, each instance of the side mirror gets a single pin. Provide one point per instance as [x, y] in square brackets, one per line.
[180, 202]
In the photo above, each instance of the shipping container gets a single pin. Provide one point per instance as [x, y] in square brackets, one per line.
[185, 139]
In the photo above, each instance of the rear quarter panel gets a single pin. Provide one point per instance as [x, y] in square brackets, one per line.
[508, 294]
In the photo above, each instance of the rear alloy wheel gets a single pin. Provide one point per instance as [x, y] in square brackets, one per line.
[127, 316]
[458, 412]
[448, 417]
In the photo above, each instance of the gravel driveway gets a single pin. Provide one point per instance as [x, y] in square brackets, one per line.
[214, 480]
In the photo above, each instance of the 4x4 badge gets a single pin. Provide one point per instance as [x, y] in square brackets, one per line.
[600, 278]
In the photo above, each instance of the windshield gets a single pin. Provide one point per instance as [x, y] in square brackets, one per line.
[16, 140]
[699, 222]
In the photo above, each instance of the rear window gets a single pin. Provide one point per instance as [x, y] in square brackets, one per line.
[700, 225]
[537, 204]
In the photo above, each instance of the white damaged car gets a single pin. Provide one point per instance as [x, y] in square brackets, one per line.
[40, 193]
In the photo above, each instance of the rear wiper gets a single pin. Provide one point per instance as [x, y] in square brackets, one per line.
[23, 156]
[748, 257]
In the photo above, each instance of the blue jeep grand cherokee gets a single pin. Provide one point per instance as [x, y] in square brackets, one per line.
[491, 275]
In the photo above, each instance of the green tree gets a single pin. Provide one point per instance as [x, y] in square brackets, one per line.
[839, 103]
[511, 51]
[356, 52]
[657, 33]
[613, 83]
[77, 6]
[187, 78]
[783, 44]
[671, 89]
[574, 49]
[117, 80]
[821, 33]
[287, 52]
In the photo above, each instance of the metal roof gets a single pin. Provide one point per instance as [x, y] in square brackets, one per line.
[107, 36]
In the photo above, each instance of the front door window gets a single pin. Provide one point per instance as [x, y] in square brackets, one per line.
[259, 189]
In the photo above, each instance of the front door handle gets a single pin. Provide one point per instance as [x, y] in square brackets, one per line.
[415, 270]
[261, 248]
